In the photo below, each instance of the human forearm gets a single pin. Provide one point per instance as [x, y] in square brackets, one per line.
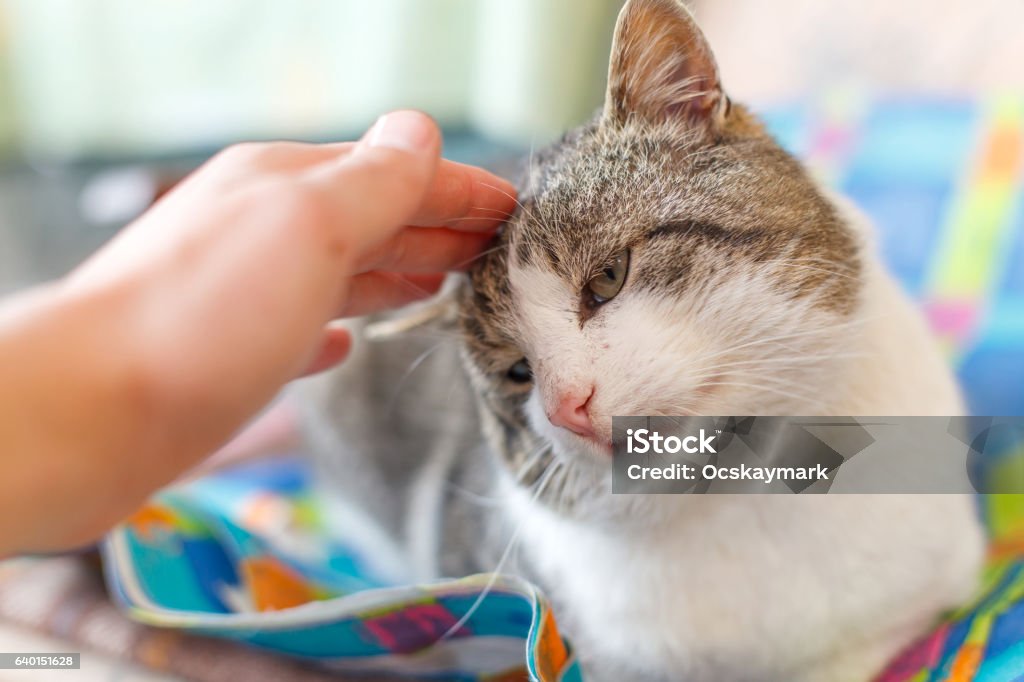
[78, 410]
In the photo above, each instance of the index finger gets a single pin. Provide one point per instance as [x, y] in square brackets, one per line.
[466, 198]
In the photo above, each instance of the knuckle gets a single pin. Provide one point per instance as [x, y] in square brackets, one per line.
[310, 214]
[459, 194]
[252, 153]
[242, 152]
[301, 204]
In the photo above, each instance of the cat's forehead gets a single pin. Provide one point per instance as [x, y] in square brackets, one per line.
[598, 175]
[600, 189]
[595, 192]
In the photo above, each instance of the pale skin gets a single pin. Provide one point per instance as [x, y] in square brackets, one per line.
[149, 356]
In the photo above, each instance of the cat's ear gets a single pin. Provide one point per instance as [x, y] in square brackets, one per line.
[662, 68]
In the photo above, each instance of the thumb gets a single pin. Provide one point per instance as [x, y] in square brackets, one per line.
[377, 189]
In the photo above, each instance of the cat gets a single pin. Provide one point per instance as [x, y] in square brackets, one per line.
[669, 258]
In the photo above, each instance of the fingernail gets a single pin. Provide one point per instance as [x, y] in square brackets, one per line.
[409, 131]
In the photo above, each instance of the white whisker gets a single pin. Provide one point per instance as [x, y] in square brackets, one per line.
[554, 467]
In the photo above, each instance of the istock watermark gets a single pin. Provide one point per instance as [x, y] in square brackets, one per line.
[814, 455]
[642, 441]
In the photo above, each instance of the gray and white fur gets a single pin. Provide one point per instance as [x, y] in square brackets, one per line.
[750, 290]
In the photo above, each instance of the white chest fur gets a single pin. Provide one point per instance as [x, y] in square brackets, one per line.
[753, 587]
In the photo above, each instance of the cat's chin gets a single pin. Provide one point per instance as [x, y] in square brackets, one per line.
[573, 448]
[586, 447]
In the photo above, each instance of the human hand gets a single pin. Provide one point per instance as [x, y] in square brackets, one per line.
[165, 342]
[347, 229]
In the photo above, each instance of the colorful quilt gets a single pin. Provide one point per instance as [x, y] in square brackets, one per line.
[944, 182]
[243, 554]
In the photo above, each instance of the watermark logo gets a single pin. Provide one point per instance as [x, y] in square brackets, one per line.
[642, 441]
[810, 455]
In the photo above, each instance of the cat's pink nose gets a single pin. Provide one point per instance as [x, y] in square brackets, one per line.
[572, 411]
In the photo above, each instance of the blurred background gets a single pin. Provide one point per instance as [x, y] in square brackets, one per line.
[915, 109]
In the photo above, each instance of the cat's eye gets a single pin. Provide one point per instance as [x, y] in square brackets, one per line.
[608, 283]
[520, 372]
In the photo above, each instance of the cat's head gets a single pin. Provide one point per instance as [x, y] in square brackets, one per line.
[668, 259]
